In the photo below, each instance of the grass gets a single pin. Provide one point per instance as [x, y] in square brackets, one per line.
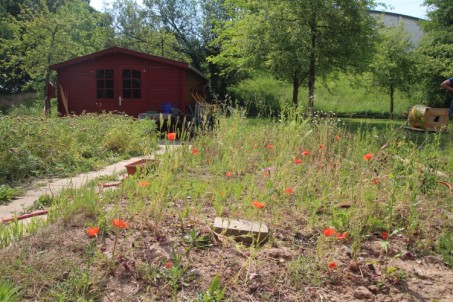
[33, 147]
[168, 251]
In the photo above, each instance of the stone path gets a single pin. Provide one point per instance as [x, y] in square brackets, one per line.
[54, 186]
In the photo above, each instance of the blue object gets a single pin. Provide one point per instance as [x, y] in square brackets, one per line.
[166, 108]
[450, 112]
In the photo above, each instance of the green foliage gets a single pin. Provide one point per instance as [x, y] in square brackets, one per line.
[445, 247]
[33, 147]
[392, 67]
[7, 193]
[215, 293]
[9, 292]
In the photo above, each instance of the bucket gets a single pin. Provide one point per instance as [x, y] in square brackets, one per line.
[166, 108]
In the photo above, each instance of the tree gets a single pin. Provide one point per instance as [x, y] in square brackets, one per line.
[41, 38]
[435, 53]
[392, 67]
[297, 40]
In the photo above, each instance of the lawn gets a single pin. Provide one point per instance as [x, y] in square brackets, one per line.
[354, 211]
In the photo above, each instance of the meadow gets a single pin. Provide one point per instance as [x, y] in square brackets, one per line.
[356, 210]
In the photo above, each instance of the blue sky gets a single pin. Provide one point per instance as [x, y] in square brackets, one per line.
[412, 8]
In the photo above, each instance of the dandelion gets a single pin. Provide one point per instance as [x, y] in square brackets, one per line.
[328, 232]
[228, 174]
[385, 235]
[194, 151]
[93, 231]
[332, 265]
[341, 236]
[289, 191]
[168, 264]
[171, 136]
[257, 204]
[297, 161]
[143, 183]
[306, 153]
[368, 156]
[119, 223]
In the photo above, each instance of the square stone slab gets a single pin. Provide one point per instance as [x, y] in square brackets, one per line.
[242, 230]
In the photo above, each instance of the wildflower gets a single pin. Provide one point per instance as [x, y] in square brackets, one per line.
[119, 223]
[168, 264]
[194, 151]
[255, 146]
[375, 181]
[143, 183]
[289, 191]
[341, 236]
[270, 146]
[266, 173]
[93, 231]
[257, 204]
[328, 232]
[332, 265]
[368, 156]
[337, 137]
[297, 161]
[306, 153]
[171, 136]
[385, 235]
[228, 174]
[321, 146]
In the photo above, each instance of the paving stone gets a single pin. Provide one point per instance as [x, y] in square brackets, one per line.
[242, 230]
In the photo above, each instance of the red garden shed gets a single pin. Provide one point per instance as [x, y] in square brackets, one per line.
[119, 79]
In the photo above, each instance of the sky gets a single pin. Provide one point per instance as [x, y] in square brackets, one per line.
[411, 8]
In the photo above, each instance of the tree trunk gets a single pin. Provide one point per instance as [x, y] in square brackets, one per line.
[47, 78]
[392, 92]
[296, 84]
[312, 63]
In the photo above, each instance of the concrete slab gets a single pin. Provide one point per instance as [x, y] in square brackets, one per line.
[242, 230]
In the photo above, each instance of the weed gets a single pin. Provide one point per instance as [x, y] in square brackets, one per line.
[9, 292]
[445, 247]
[7, 193]
[214, 293]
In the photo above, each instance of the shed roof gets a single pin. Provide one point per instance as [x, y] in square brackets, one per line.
[119, 50]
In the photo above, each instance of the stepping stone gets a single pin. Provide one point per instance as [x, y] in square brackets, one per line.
[242, 230]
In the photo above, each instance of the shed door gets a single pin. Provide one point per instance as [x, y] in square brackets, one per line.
[122, 89]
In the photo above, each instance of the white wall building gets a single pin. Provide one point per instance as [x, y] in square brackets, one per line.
[411, 24]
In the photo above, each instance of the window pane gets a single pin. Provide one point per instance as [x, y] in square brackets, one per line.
[109, 84]
[100, 74]
[99, 84]
[127, 93]
[109, 73]
[126, 84]
[109, 93]
[126, 74]
[136, 74]
[100, 93]
[136, 83]
[136, 93]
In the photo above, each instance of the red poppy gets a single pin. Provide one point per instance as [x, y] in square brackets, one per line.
[297, 161]
[171, 136]
[332, 265]
[337, 137]
[194, 151]
[306, 153]
[385, 235]
[341, 236]
[321, 146]
[270, 146]
[119, 223]
[93, 231]
[375, 181]
[228, 174]
[143, 183]
[168, 264]
[289, 191]
[368, 156]
[328, 232]
[257, 204]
